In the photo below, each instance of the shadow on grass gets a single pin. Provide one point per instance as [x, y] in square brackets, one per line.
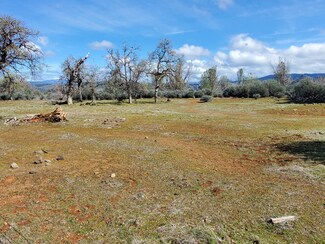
[312, 150]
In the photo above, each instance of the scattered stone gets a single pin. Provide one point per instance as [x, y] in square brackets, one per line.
[39, 152]
[48, 164]
[321, 133]
[60, 157]
[47, 161]
[38, 161]
[14, 166]
[146, 137]
[113, 175]
[33, 171]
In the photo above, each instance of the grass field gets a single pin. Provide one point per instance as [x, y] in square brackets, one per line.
[185, 172]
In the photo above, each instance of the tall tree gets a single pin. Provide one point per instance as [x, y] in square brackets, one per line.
[179, 75]
[240, 76]
[126, 69]
[282, 72]
[18, 52]
[209, 79]
[73, 70]
[162, 62]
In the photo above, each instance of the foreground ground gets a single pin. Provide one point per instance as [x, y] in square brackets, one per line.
[176, 172]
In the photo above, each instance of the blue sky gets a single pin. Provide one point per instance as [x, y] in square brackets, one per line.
[231, 34]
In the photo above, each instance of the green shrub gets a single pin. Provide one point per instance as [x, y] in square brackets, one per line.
[275, 88]
[198, 94]
[206, 98]
[256, 95]
[307, 91]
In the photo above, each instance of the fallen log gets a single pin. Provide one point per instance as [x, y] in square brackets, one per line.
[282, 219]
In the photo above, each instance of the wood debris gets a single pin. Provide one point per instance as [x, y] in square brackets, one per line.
[56, 116]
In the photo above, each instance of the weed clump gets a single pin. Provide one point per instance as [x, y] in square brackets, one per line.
[206, 98]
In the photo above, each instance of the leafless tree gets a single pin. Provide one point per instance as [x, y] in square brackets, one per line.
[126, 69]
[73, 70]
[18, 52]
[92, 78]
[282, 72]
[162, 62]
[179, 75]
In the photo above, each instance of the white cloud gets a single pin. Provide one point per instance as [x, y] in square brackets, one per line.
[192, 52]
[43, 40]
[224, 4]
[103, 45]
[257, 57]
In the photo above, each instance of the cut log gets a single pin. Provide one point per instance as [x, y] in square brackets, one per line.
[282, 219]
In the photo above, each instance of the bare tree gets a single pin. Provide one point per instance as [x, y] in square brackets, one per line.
[179, 75]
[282, 72]
[126, 69]
[18, 52]
[73, 70]
[162, 62]
[92, 78]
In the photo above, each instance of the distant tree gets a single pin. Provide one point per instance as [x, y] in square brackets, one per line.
[223, 83]
[162, 62]
[92, 79]
[240, 76]
[126, 68]
[179, 75]
[209, 80]
[73, 73]
[282, 72]
[18, 52]
[9, 84]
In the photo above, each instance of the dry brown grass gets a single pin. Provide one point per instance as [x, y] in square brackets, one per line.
[186, 172]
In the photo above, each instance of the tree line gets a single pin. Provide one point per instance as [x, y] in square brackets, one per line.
[126, 76]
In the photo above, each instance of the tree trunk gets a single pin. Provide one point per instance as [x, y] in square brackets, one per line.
[130, 98]
[70, 102]
[93, 98]
[80, 95]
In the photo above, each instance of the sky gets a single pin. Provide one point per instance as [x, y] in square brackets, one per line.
[229, 34]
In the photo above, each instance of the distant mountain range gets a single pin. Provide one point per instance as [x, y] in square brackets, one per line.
[44, 85]
[295, 76]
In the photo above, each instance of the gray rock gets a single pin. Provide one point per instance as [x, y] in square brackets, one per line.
[14, 166]
[33, 171]
[60, 157]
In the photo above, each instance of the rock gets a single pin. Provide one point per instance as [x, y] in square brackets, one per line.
[39, 152]
[60, 158]
[146, 137]
[48, 164]
[113, 175]
[47, 161]
[33, 171]
[38, 161]
[14, 166]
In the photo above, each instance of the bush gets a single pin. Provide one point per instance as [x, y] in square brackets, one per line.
[256, 96]
[206, 98]
[307, 91]
[198, 94]
[275, 88]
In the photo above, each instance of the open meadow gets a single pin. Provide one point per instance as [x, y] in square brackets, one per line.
[172, 172]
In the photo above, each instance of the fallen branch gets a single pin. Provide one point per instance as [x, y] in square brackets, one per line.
[282, 219]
